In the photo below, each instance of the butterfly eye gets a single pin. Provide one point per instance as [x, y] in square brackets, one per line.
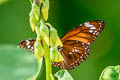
[59, 48]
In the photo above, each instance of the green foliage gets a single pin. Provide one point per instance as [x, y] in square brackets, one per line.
[16, 64]
[36, 10]
[38, 51]
[64, 16]
[34, 15]
[3, 1]
[55, 55]
[45, 9]
[44, 32]
[111, 73]
[33, 21]
[54, 38]
[42, 72]
[63, 75]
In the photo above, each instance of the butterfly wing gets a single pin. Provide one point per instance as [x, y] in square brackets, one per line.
[73, 52]
[86, 32]
[76, 43]
[27, 44]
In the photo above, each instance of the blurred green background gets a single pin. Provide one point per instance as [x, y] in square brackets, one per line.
[64, 15]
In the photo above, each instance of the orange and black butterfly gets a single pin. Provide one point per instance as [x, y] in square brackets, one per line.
[76, 44]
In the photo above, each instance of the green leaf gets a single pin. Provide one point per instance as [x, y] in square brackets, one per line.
[55, 55]
[63, 75]
[111, 73]
[36, 76]
[3, 1]
[16, 64]
[117, 68]
[42, 72]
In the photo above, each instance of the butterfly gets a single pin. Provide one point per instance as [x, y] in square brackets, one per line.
[76, 44]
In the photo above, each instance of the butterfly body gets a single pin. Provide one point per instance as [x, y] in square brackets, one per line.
[76, 44]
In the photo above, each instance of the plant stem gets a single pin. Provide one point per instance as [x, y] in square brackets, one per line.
[45, 45]
[47, 61]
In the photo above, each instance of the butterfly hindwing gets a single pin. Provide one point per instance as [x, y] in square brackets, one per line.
[73, 54]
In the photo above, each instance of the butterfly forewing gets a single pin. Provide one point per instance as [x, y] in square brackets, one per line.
[76, 44]
[86, 32]
[27, 44]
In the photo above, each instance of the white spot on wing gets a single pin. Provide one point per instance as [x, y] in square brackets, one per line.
[91, 31]
[27, 42]
[28, 46]
[95, 31]
[76, 50]
[85, 47]
[80, 24]
[88, 43]
[70, 53]
[87, 24]
[93, 28]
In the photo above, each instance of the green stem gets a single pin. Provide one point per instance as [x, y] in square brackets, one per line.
[45, 46]
[47, 61]
[47, 55]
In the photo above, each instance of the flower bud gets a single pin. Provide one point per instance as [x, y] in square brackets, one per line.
[34, 15]
[38, 32]
[33, 21]
[55, 55]
[36, 10]
[45, 9]
[44, 33]
[38, 52]
[54, 39]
